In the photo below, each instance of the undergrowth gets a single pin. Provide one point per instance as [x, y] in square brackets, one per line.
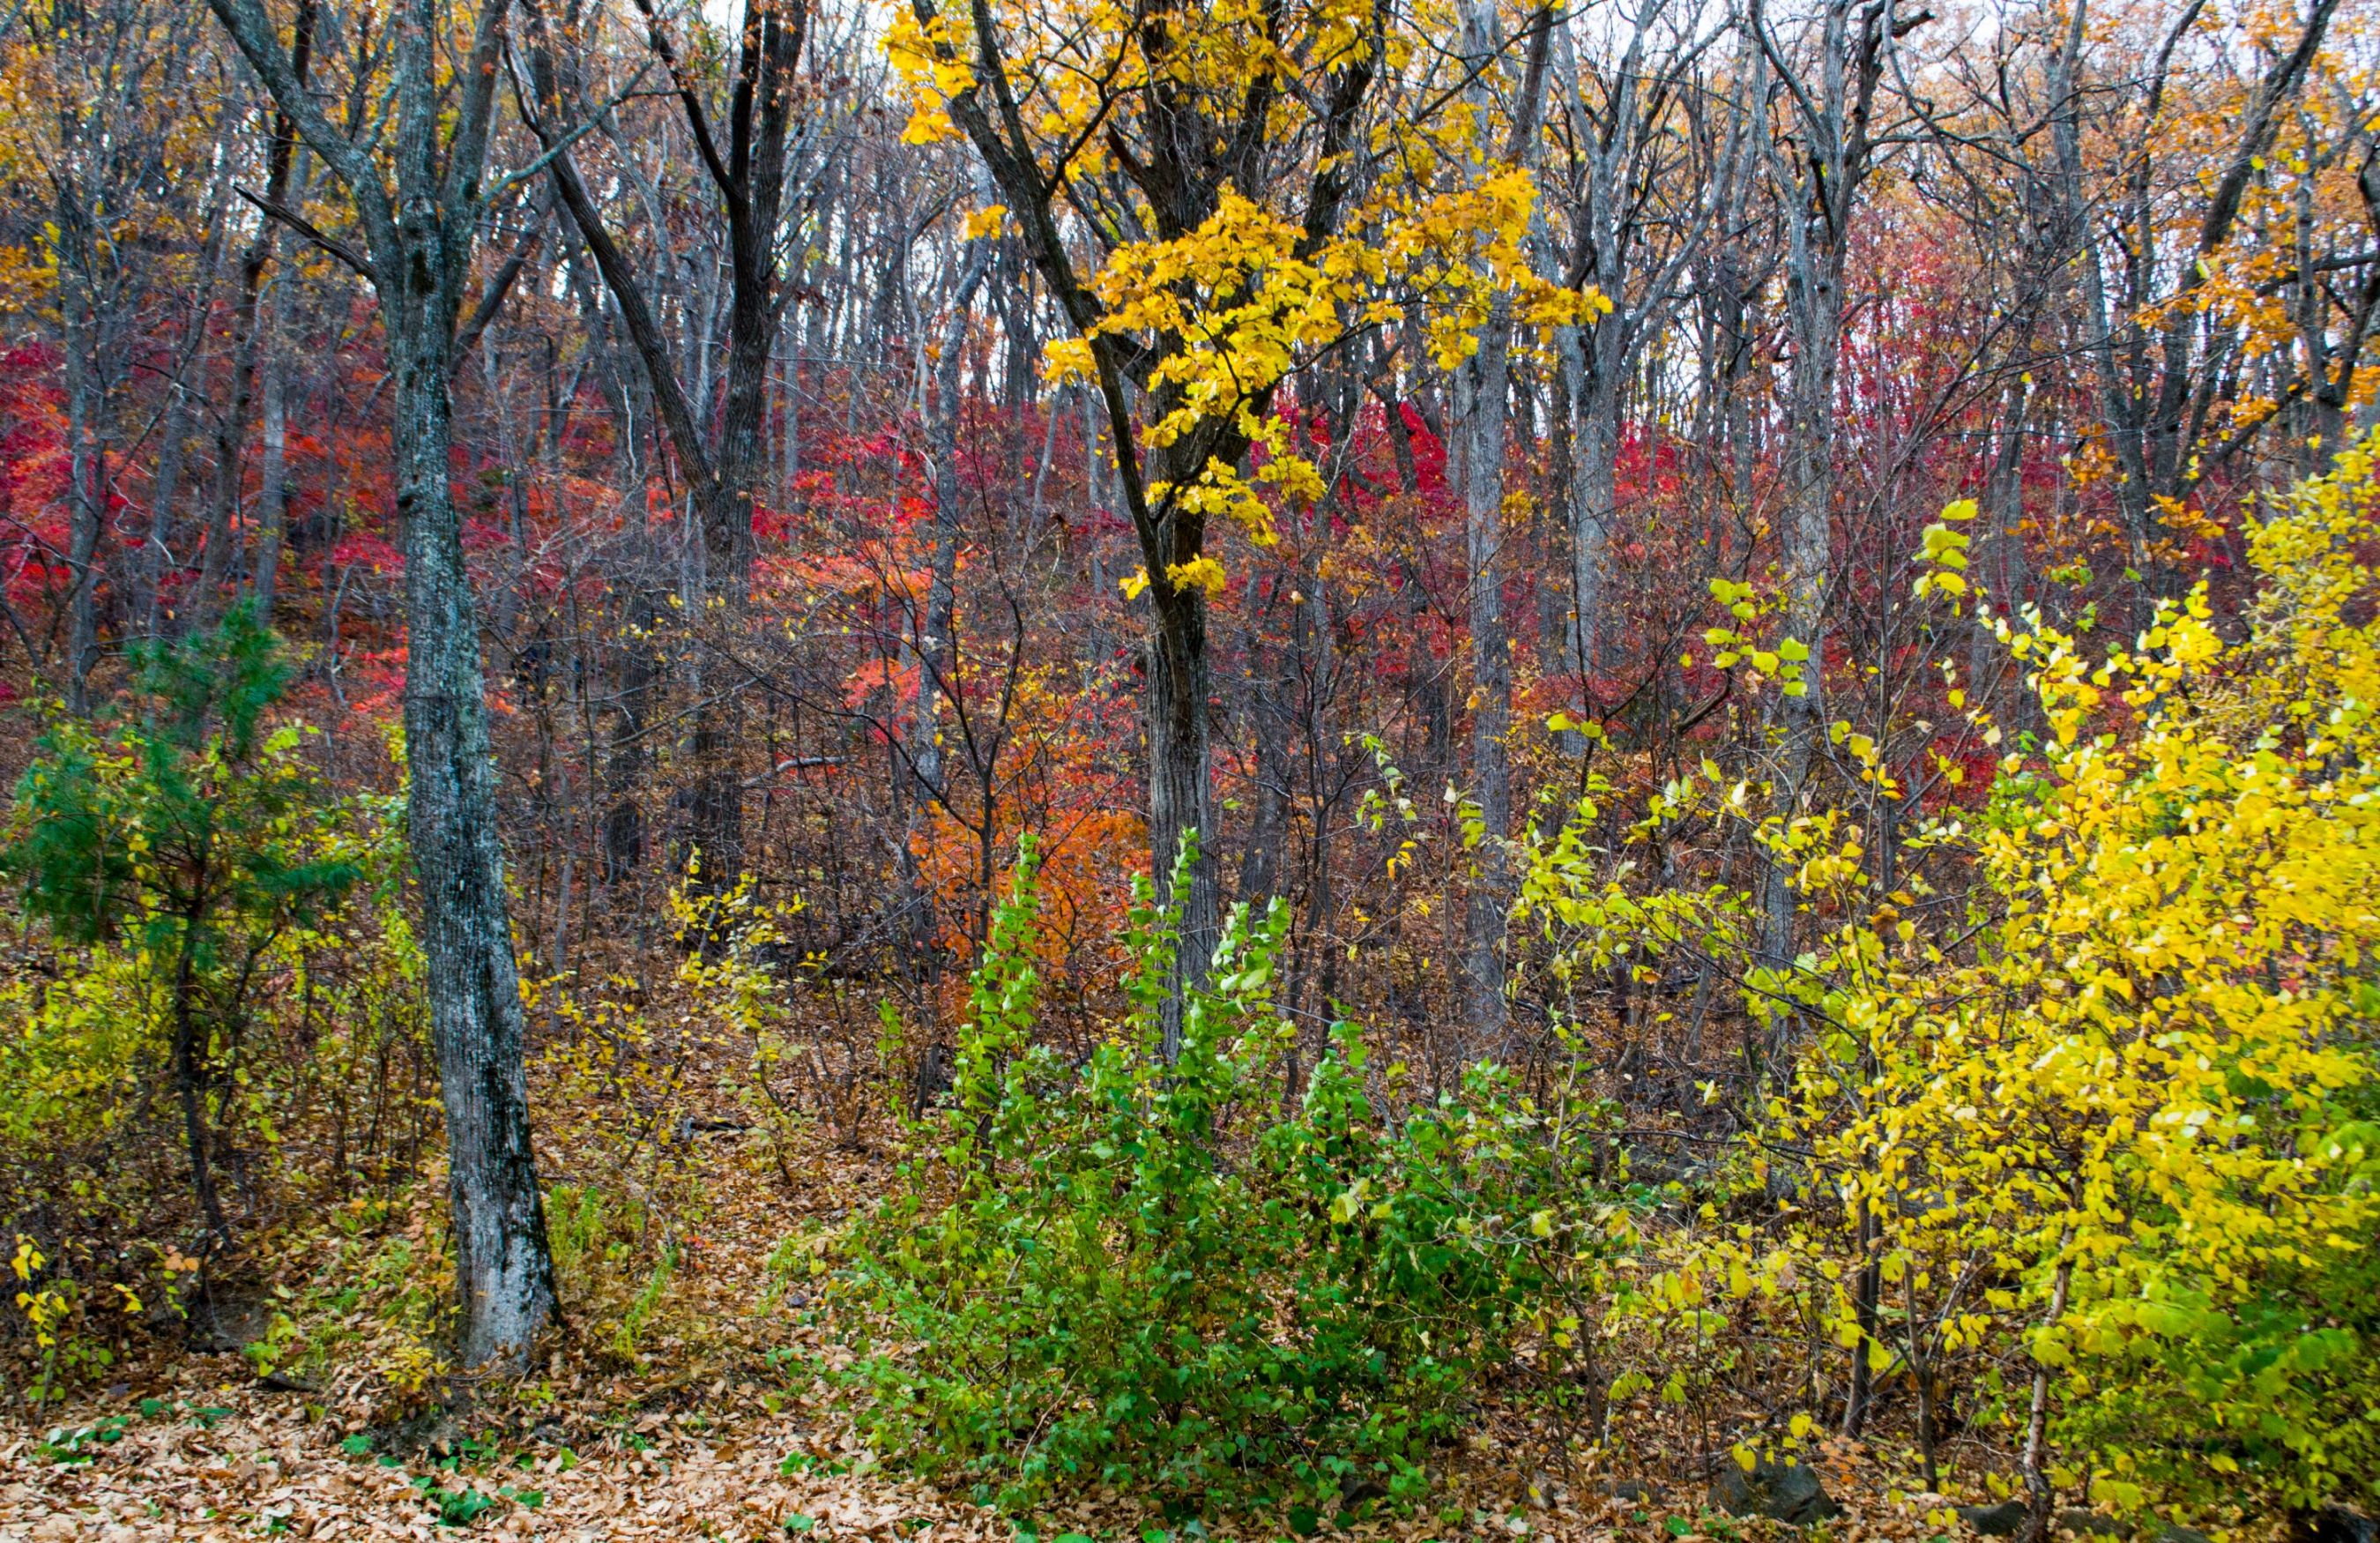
[1189, 1279]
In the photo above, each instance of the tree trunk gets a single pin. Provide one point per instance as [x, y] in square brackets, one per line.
[1483, 389]
[1181, 799]
[935, 652]
[1814, 287]
[190, 1086]
[86, 492]
[1594, 417]
[420, 246]
[2039, 1494]
[216, 563]
[174, 432]
[1269, 718]
[503, 1270]
[164, 493]
[1819, 172]
[273, 473]
[1485, 383]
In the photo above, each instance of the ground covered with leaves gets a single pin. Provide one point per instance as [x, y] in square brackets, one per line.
[213, 1454]
[727, 1420]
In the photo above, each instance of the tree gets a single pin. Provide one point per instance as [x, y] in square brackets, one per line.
[749, 178]
[191, 830]
[419, 235]
[2162, 351]
[1817, 165]
[1483, 391]
[1639, 198]
[1219, 167]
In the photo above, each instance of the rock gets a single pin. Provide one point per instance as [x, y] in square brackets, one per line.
[1355, 1488]
[2088, 1523]
[1785, 1491]
[2334, 1524]
[1634, 1491]
[2004, 1520]
[2165, 1532]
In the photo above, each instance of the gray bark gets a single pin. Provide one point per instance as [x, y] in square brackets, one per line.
[1481, 388]
[420, 240]
[749, 178]
[1817, 176]
[1618, 138]
[1483, 391]
[273, 471]
[86, 490]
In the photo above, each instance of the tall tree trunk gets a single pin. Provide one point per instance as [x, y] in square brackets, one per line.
[419, 242]
[164, 494]
[173, 430]
[750, 185]
[1592, 396]
[1815, 290]
[1484, 388]
[2000, 565]
[86, 490]
[1269, 718]
[1482, 385]
[1818, 173]
[935, 652]
[502, 1269]
[216, 559]
[272, 472]
[1181, 791]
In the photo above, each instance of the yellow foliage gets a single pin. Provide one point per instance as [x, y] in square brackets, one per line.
[2154, 1079]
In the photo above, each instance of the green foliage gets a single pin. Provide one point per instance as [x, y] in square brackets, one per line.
[187, 826]
[194, 873]
[613, 1279]
[1177, 1278]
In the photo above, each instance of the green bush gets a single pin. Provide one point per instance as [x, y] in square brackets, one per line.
[225, 962]
[1176, 1278]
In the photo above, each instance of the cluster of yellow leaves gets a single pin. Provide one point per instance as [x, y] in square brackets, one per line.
[1239, 303]
[2122, 1126]
[931, 59]
[2155, 1080]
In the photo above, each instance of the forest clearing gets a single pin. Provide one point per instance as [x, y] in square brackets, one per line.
[1076, 770]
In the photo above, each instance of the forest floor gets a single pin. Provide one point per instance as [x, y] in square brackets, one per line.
[247, 1463]
[721, 1424]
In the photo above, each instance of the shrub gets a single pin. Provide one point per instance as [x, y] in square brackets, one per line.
[209, 981]
[1182, 1279]
[2137, 1132]
[2083, 1132]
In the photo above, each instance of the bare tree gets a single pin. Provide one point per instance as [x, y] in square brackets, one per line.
[1817, 165]
[749, 175]
[1483, 389]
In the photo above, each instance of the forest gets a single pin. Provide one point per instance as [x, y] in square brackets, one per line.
[1089, 770]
